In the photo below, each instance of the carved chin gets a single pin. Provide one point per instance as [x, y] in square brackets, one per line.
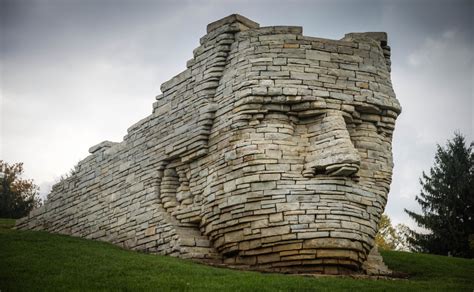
[314, 230]
[321, 255]
[319, 224]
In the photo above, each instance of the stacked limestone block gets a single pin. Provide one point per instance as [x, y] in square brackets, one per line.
[272, 150]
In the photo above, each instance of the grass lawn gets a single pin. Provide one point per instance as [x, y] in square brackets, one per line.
[31, 260]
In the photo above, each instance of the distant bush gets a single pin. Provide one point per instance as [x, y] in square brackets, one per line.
[17, 196]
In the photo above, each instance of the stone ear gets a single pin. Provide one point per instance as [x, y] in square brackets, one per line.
[189, 139]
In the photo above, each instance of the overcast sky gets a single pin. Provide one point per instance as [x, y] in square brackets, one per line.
[75, 73]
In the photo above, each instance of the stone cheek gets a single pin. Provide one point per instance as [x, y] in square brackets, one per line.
[271, 150]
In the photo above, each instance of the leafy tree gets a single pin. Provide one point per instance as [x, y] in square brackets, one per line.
[17, 196]
[447, 202]
[389, 237]
[386, 234]
[403, 233]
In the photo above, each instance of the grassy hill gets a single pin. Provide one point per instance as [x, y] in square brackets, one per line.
[32, 260]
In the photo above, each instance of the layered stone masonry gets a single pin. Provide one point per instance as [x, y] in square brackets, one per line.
[271, 151]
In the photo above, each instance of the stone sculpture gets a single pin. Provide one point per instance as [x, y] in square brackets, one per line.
[272, 150]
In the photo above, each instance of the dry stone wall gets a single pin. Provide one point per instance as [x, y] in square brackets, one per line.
[271, 151]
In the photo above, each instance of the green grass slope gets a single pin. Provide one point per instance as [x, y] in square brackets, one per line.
[32, 260]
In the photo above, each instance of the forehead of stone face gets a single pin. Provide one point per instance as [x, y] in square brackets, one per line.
[286, 71]
[275, 69]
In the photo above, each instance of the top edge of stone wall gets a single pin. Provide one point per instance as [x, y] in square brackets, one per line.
[271, 30]
[379, 36]
[101, 146]
[231, 19]
[254, 29]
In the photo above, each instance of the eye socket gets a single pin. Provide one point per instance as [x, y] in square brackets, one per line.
[362, 129]
[385, 131]
[381, 119]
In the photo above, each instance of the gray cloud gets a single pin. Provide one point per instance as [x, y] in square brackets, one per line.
[434, 84]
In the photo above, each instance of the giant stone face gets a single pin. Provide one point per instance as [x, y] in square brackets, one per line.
[300, 160]
[272, 150]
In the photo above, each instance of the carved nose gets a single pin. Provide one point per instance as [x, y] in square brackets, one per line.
[330, 150]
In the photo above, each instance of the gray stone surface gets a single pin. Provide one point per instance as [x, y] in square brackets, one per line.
[271, 151]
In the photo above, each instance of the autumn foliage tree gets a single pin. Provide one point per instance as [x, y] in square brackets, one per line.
[391, 237]
[18, 196]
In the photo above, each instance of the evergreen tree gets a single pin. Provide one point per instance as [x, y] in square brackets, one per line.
[447, 202]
